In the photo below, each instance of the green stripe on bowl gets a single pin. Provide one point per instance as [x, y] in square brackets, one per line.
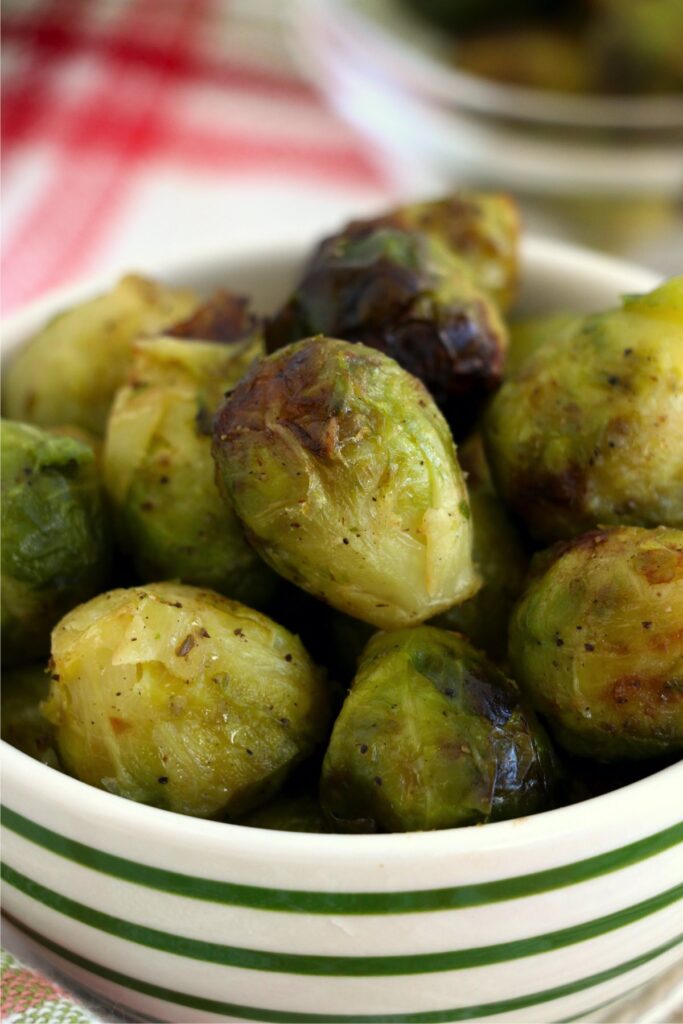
[460, 1013]
[303, 902]
[335, 966]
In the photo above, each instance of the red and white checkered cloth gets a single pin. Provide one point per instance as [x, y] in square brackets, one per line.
[134, 129]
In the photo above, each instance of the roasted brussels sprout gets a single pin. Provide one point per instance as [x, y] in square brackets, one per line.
[345, 475]
[536, 57]
[180, 698]
[23, 723]
[459, 15]
[69, 371]
[499, 556]
[526, 336]
[432, 735]
[290, 814]
[637, 45]
[160, 475]
[411, 284]
[590, 429]
[55, 549]
[597, 645]
[481, 227]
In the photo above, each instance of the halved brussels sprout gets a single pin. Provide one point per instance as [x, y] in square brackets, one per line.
[596, 642]
[23, 723]
[498, 555]
[417, 284]
[178, 697]
[55, 544]
[69, 371]
[590, 429]
[432, 735]
[345, 476]
[160, 475]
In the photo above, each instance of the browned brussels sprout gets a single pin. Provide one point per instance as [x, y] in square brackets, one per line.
[69, 372]
[158, 468]
[432, 735]
[589, 431]
[421, 285]
[596, 642]
[55, 540]
[345, 476]
[498, 555]
[23, 723]
[178, 697]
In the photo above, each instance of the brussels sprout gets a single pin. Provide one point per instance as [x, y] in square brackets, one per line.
[464, 15]
[637, 45]
[23, 724]
[526, 336]
[178, 697]
[69, 371]
[290, 814]
[590, 429]
[499, 556]
[432, 735]
[55, 544]
[597, 646]
[160, 475]
[534, 56]
[408, 284]
[345, 475]
[480, 227]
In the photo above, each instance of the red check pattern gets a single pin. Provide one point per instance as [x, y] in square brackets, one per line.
[137, 127]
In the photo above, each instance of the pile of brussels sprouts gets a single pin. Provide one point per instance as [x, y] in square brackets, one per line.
[246, 574]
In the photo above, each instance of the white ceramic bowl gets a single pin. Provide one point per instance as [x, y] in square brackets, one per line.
[538, 919]
[391, 74]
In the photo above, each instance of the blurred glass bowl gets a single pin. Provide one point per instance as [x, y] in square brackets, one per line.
[610, 166]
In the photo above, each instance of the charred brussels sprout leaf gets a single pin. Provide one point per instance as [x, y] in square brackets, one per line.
[55, 549]
[180, 698]
[23, 723]
[69, 371]
[590, 429]
[345, 475]
[596, 642]
[160, 475]
[417, 285]
[431, 736]
[498, 555]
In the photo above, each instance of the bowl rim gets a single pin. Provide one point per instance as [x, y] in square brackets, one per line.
[448, 85]
[68, 793]
[65, 793]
